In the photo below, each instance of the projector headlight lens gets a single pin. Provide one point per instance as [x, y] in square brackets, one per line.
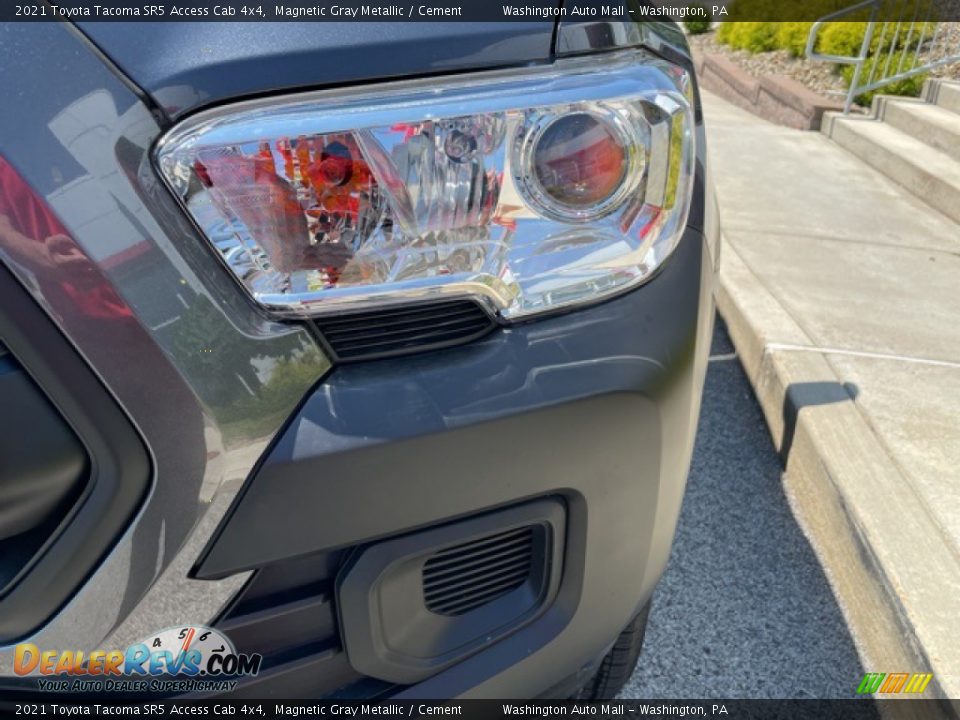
[532, 190]
[581, 165]
[580, 161]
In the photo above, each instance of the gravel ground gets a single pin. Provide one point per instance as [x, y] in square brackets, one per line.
[821, 77]
[950, 37]
[744, 609]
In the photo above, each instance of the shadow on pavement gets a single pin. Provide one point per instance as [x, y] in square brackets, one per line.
[807, 394]
[744, 609]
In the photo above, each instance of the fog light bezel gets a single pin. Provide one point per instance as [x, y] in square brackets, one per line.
[388, 631]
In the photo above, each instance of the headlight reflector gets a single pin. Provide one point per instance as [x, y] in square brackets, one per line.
[533, 190]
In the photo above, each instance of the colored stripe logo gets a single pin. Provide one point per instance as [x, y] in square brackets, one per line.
[894, 683]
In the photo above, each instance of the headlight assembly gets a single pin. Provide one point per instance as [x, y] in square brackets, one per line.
[532, 190]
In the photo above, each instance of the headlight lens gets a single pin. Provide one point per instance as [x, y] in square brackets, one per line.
[533, 190]
[580, 161]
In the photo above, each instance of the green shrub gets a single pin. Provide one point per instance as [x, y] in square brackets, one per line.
[724, 30]
[842, 38]
[893, 36]
[697, 27]
[755, 37]
[846, 38]
[908, 87]
[764, 36]
[792, 36]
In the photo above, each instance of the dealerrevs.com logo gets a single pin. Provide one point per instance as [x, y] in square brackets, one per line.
[183, 659]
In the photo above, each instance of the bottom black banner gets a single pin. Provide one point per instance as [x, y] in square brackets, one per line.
[861, 709]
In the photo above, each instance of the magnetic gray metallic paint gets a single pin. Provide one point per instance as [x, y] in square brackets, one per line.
[80, 138]
[576, 37]
[197, 64]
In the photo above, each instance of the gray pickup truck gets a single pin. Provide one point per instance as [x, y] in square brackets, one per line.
[346, 359]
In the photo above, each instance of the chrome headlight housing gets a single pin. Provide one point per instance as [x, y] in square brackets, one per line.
[532, 189]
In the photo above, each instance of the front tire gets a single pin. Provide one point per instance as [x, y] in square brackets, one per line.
[618, 664]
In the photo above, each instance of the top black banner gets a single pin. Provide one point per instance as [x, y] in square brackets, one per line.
[259, 11]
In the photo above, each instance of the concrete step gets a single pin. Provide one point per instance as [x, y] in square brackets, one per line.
[936, 126]
[944, 93]
[927, 172]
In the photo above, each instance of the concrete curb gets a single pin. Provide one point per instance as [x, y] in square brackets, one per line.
[775, 98]
[884, 556]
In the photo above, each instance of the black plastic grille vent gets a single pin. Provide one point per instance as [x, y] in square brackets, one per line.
[464, 577]
[379, 333]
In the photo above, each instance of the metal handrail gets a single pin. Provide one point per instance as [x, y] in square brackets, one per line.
[937, 57]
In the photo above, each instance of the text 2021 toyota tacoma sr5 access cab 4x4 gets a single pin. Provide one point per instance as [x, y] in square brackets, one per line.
[345, 360]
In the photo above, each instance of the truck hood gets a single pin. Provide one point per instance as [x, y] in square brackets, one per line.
[186, 66]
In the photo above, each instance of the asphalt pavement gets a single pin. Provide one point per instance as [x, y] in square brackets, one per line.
[744, 609]
[839, 288]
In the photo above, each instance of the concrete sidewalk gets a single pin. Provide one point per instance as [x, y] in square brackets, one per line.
[841, 292]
